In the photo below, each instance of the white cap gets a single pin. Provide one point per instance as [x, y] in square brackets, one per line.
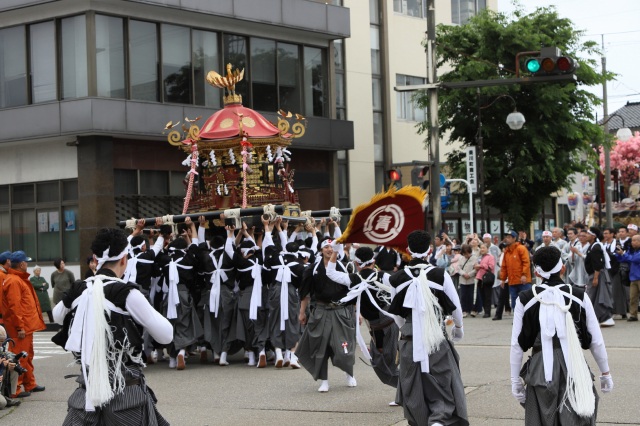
[546, 233]
[486, 236]
[632, 226]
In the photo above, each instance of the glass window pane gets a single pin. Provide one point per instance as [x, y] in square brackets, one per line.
[339, 90]
[235, 53]
[376, 92]
[341, 114]
[143, 60]
[379, 177]
[5, 231]
[414, 8]
[4, 195]
[74, 57]
[154, 182]
[373, 11]
[110, 56]
[205, 59]
[126, 182]
[43, 62]
[48, 235]
[397, 5]
[289, 77]
[315, 84]
[47, 192]
[23, 194]
[338, 55]
[378, 135]
[375, 50]
[24, 231]
[176, 64]
[70, 190]
[263, 74]
[71, 238]
[177, 184]
[13, 67]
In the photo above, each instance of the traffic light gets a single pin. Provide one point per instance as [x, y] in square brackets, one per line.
[550, 62]
[420, 175]
[394, 175]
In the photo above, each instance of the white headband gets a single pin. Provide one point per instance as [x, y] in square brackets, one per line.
[546, 234]
[590, 232]
[325, 243]
[545, 274]
[632, 226]
[245, 251]
[486, 236]
[419, 255]
[105, 257]
[363, 264]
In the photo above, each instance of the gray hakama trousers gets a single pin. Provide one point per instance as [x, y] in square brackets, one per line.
[186, 327]
[436, 397]
[543, 405]
[328, 329]
[620, 294]
[261, 324]
[216, 329]
[384, 363]
[287, 338]
[135, 406]
[245, 329]
[601, 296]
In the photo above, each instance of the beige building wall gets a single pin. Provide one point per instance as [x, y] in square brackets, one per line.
[401, 45]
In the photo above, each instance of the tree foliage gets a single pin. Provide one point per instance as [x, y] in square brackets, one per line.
[524, 167]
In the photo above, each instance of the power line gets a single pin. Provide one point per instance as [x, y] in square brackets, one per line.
[619, 32]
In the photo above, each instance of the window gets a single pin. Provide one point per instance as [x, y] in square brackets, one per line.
[13, 67]
[205, 59]
[235, 53]
[413, 8]
[110, 57]
[176, 64]
[263, 74]
[338, 61]
[378, 137]
[126, 182]
[375, 49]
[47, 192]
[374, 12]
[43, 62]
[74, 57]
[154, 182]
[24, 230]
[315, 82]
[463, 10]
[5, 230]
[71, 239]
[289, 77]
[406, 108]
[143, 60]
[23, 194]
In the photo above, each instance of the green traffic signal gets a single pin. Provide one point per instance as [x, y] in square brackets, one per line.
[533, 65]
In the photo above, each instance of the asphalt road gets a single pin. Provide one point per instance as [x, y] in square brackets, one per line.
[238, 394]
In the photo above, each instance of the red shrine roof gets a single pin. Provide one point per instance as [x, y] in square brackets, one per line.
[224, 124]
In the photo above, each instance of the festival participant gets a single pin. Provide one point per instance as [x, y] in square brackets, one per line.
[108, 343]
[179, 274]
[557, 322]
[597, 264]
[140, 264]
[247, 261]
[284, 277]
[218, 303]
[372, 306]
[330, 328]
[430, 386]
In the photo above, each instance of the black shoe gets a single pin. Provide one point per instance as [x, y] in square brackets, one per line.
[23, 394]
[496, 318]
[631, 319]
[486, 316]
[12, 402]
[37, 389]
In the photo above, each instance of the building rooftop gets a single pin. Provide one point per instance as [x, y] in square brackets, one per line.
[630, 113]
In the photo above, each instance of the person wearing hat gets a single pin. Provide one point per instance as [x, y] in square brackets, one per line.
[22, 317]
[556, 321]
[633, 229]
[430, 387]
[516, 267]
[41, 286]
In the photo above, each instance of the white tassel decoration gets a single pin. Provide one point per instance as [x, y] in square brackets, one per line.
[212, 155]
[432, 334]
[226, 190]
[269, 154]
[579, 390]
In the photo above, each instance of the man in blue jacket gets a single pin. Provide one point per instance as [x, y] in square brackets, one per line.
[632, 257]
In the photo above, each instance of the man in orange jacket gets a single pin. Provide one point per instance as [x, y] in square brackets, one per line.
[516, 266]
[22, 317]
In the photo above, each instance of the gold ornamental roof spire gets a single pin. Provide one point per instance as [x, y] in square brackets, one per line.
[228, 82]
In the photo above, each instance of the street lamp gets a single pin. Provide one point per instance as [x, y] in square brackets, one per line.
[515, 121]
[623, 134]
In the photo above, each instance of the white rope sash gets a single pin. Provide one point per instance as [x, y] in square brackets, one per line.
[173, 299]
[219, 274]
[256, 292]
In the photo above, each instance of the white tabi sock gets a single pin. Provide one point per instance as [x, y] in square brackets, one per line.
[252, 359]
[172, 362]
[324, 386]
[279, 358]
[351, 381]
[182, 352]
[223, 359]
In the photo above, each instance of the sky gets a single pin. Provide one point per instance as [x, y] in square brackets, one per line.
[618, 21]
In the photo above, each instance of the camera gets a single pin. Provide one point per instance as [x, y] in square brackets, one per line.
[15, 359]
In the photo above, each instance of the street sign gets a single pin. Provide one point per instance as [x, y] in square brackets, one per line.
[472, 172]
[443, 180]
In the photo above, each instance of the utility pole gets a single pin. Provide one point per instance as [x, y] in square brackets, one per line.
[480, 167]
[607, 160]
[432, 112]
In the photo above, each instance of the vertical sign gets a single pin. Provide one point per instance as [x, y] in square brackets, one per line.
[472, 174]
